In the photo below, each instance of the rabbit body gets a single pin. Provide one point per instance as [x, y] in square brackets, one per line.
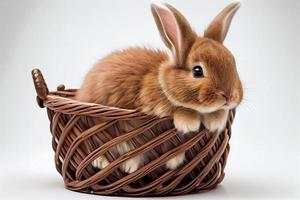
[197, 83]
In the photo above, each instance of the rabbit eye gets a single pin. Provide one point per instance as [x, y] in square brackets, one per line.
[197, 71]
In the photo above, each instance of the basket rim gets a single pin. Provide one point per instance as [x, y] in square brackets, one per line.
[56, 95]
[60, 101]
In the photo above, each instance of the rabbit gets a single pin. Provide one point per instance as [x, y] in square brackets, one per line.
[195, 82]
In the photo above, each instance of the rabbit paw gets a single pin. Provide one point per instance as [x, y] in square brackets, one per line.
[186, 121]
[215, 121]
[173, 163]
[131, 165]
[100, 162]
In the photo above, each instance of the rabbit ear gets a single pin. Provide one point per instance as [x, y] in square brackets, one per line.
[174, 29]
[218, 28]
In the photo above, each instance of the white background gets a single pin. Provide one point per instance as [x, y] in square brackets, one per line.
[64, 39]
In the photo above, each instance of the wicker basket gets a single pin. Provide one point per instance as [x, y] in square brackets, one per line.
[77, 140]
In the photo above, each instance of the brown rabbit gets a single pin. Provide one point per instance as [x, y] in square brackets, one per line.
[198, 82]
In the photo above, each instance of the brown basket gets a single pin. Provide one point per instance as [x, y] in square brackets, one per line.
[77, 140]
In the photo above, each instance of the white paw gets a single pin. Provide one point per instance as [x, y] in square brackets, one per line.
[185, 125]
[175, 162]
[215, 122]
[131, 165]
[100, 162]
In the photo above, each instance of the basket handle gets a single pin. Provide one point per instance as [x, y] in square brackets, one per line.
[40, 86]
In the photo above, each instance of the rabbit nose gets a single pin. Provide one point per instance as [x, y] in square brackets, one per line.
[234, 96]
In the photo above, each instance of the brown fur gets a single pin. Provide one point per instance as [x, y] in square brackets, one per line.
[151, 81]
[124, 78]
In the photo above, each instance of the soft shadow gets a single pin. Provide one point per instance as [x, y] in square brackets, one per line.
[237, 189]
[42, 182]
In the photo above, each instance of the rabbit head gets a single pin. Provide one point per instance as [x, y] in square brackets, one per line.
[201, 72]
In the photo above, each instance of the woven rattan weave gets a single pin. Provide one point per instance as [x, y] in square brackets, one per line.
[82, 132]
